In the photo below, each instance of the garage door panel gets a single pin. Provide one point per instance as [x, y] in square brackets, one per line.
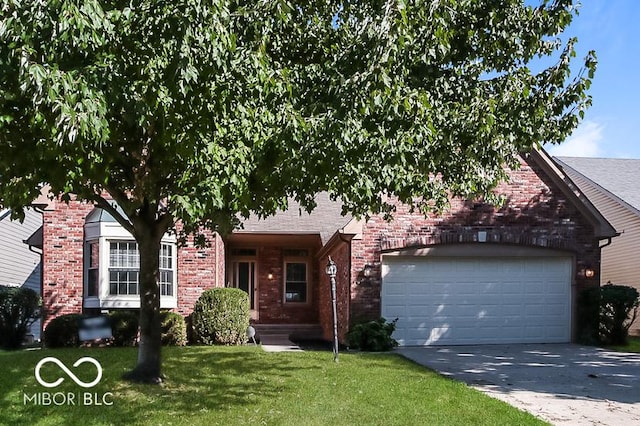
[445, 301]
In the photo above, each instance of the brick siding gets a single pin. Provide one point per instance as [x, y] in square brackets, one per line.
[63, 253]
[535, 214]
[62, 258]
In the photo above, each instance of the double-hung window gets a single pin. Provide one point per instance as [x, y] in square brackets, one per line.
[296, 276]
[124, 266]
[167, 266]
[112, 265]
[93, 269]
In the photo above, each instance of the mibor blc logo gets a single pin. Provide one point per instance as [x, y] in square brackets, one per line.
[68, 398]
[68, 372]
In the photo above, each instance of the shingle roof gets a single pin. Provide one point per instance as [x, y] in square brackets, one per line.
[619, 176]
[325, 220]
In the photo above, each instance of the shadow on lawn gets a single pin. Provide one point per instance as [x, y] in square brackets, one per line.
[206, 380]
[199, 379]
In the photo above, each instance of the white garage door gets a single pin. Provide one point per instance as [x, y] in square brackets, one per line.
[462, 301]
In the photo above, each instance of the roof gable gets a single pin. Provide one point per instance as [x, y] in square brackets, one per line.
[603, 229]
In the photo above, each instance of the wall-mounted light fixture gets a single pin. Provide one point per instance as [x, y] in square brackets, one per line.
[586, 272]
[365, 275]
[270, 276]
[367, 271]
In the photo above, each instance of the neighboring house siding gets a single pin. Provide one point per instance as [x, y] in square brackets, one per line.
[619, 261]
[19, 265]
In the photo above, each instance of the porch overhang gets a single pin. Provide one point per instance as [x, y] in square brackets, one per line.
[273, 238]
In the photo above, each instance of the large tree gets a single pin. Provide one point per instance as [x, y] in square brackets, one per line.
[203, 112]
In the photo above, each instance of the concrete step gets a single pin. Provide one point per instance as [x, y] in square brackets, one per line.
[311, 331]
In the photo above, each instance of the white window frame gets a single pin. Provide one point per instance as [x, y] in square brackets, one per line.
[105, 233]
[88, 267]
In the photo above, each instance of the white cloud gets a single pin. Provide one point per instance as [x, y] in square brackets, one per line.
[584, 142]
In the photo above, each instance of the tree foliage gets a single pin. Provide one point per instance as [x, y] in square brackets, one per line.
[19, 308]
[209, 111]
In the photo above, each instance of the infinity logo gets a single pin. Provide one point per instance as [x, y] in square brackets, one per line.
[68, 372]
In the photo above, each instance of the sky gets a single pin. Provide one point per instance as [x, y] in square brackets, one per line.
[611, 127]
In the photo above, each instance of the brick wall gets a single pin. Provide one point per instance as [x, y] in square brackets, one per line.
[62, 258]
[340, 254]
[535, 214]
[199, 269]
[62, 263]
[271, 306]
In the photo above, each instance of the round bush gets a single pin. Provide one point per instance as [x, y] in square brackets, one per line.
[221, 316]
[62, 332]
[618, 310]
[174, 329]
[124, 326]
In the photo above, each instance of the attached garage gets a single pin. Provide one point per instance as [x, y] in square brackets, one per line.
[478, 300]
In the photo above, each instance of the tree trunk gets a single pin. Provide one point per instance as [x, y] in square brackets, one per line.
[148, 369]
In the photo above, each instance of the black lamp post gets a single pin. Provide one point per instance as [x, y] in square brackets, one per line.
[332, 270]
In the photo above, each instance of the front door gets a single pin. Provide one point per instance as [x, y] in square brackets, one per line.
[243, 276]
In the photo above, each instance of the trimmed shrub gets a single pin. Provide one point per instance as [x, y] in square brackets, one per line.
[373, 336]
[62, 331]
[124, 325]
[221, 316]
[174, 329]
[588, 313]
[618, 310]
[19, 308]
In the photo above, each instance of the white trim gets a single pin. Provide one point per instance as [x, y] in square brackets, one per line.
[105, 233]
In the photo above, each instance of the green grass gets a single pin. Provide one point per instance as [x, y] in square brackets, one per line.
[245, 385]
[632, 346]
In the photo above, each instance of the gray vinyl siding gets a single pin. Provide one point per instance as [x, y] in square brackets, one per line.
[620, 262]
[18, 265]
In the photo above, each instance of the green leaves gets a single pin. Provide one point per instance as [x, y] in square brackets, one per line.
[224, 109]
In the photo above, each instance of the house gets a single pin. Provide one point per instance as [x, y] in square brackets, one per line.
[470, 275]
[612, 185]
[20, 265]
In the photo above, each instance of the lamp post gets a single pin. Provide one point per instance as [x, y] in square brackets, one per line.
[332, 270]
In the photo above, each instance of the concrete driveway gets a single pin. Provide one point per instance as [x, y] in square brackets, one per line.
[562, 384]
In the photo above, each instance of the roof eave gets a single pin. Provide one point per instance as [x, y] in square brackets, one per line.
[602, 228]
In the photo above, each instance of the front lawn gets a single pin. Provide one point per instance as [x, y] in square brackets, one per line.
[244, 385]
[632, 346]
